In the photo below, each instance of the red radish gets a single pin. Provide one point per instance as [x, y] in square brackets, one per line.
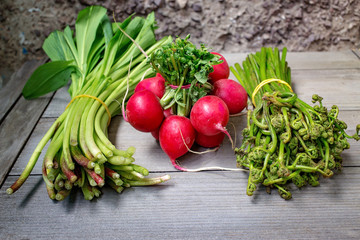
[154, 84]
[175, 132]
[155, 134]
[160, 76]
[232, 93]
[209, 141]
[177, 136]
[209, 116]
[144, 112]
[221, 70]
[168, 112]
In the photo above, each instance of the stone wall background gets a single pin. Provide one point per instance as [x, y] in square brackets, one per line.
[225, 26]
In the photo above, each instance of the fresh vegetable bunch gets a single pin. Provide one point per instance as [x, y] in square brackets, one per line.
[188, 101]
[98, 60]
[286, 140]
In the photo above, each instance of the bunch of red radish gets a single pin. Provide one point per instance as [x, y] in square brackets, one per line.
[208, 117]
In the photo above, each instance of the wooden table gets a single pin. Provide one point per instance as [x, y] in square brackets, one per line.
[203, 205]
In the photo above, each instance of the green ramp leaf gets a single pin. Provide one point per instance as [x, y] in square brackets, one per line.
[56, 47]
[47, 78]
[87, 23]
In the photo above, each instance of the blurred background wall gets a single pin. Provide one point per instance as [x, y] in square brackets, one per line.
[223, 25]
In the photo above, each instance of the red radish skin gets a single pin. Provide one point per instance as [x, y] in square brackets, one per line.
[175, 132]
[155, 84]
[209, 141]
[209, 116]
[155, 134]
[232, 93]
[168, 112]
[221, 70]
[144, 112]
[160, 76]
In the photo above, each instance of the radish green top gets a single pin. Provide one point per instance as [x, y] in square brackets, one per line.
[186, 69]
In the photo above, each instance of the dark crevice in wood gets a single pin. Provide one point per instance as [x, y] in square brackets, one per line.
[9, 110]
[356, 52]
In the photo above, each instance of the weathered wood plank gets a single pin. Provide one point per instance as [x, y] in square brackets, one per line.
[309, 60]
[149, 154]
[322, 60]
[336, 86]
[10, 93]
[38, 133]
[58, 103]
[208, 205]
[16, 128]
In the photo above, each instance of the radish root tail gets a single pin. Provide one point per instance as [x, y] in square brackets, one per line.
[126, 93]
[177, 166]
[234, 133]
[195, 152]
[143, 76]
[239, 114]
[223, 129]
